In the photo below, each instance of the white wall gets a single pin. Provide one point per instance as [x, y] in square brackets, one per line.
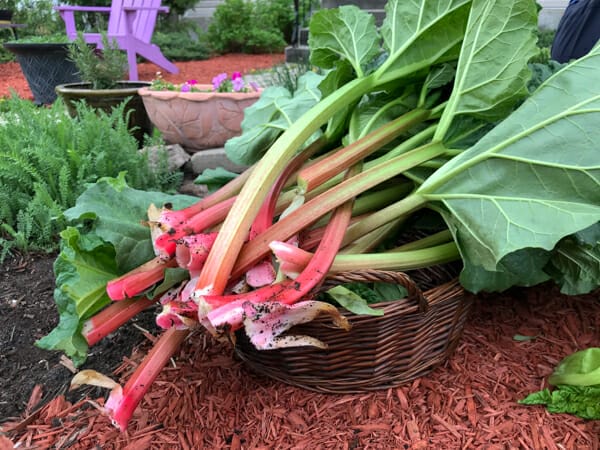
[552, 11]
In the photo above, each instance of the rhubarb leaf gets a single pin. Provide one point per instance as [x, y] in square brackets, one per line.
[520, 268]
[118, 212]
[83, 267]
[215, 178]
[503, 192]
[270, 116]
[575, 267]
[343, 33]
[492, 72]
[417, 34]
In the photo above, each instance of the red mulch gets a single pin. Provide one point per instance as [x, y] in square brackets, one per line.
[207, 399]
[11, 76]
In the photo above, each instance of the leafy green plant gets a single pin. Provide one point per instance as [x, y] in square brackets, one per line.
[182, 44]
[577, 381]
[47, 159]
[249, 27]
[103, 69]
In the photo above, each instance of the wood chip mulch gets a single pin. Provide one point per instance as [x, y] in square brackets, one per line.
[207, 399]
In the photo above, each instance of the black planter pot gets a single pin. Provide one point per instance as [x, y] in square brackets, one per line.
[106, 99]
[44, 66]
[6, 15]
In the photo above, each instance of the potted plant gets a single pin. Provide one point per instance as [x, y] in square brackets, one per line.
[45, 64]
[103, 86]
[199, 116]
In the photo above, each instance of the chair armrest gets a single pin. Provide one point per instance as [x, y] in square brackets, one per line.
[103, 9]
[160, 9]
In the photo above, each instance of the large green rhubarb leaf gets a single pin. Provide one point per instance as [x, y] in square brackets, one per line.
[118, 212]
[533, 179]
[575, 267]
[492, 72]
[419, 33]
[83, 267]
[345, 33]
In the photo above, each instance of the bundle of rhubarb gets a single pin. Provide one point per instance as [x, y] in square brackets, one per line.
[426, 119]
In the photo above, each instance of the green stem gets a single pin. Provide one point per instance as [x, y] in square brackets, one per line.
[392, 212]
[406, 260]
[322, 204]
[434, 239]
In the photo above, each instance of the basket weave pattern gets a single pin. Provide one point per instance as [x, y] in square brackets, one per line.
[414, 335]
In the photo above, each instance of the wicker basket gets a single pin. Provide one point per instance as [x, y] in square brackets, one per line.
[414, 335]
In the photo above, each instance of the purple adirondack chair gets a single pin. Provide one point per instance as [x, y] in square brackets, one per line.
[131, 24]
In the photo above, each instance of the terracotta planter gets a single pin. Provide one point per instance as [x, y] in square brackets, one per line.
[197, 120]
[106, 99]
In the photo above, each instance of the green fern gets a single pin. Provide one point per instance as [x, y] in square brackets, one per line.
[46, 160]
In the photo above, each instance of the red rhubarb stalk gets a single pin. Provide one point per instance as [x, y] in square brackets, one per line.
[339, 161]
[139, 279]
[263, 273]
[322, 204]
[165, 241]
[122, 402]
[112, 317]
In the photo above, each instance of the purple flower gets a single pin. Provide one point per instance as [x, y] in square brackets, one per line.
[254, 85]
[185, 87]
[238, 84]
[216, 81]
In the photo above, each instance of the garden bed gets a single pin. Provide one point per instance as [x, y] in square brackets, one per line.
[11, 76]
[208, 398]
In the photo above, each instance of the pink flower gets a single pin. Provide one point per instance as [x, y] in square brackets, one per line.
[216, 81]
[238, 84]
[191, 82]
[235, 76]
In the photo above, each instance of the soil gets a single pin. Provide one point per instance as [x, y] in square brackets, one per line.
[207, 398]
[28, 312]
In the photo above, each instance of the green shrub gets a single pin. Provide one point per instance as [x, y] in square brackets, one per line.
[279, 14]
[184, 42]
[251, 26]
[545, 38]
[46, 160]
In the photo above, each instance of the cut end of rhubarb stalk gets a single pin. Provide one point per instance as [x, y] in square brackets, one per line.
[264, 323]
[262, 274]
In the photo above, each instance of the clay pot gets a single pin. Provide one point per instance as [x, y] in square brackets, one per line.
[197, 120]
[106, 99]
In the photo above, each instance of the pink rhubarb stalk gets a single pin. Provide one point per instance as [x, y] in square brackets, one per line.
[289, 291]
[164, 238]
[320, 205]
[122, 402]
[112, 317]
[337, 162]
[139, 279]
[191, 251]
[263, 272]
